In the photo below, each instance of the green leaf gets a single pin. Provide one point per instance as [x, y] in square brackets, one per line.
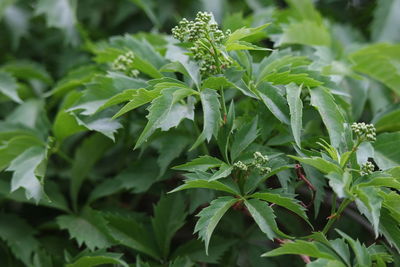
[8, 86]
[243, 33]
[379, 61]
[244, 136]
[321, 164]
[385, 156]
[136, 97]
[275, 102]
[386, 18]
[60, 14]
[330, 113]
[389, 122]
[360, 251]
[340, 183]
[27, 70]
[66, 124]
[215, 185]
[29, 170]
[210, 216]
[306, 33]
[128, 232]
[304, 10]
[166, 113]
[19, 236]
[98, 258]
[264, 216]
[296, 111]
[286, 202]
[169, 217]
[242, 45]
[201, 163]
[90, 151]
[390, 228]
[369, 203]
[84, 231]
[300, 247]
[211, 115]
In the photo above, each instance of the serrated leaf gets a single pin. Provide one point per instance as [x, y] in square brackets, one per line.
[211, 115]
[286, 202]
[304, 32]
[296, 111]
[166, 113]
[128, 232]
[215, 185]
[29, 170]
[19, 236]
[321, 164]
[242, 45]
[169, 217]
[275, 102]
[98, 258]
[244, 136]
[369, 203]
[379, 61]
[340, 183]
[300, 247]
[385, 156]
[210, 216]
[84, 231]
[263, 215]
[360, 251]
[243, 33]
[330, 113]
[201, 163]
[8, 86]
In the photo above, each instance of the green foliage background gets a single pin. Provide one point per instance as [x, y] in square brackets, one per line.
[98, 166]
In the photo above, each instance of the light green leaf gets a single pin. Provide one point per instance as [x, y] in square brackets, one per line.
[389, 122]
[263, 215]
[275, 102]
[380, 62]
[243, 33]
[286, 202]
[211, 115]
[384, 27]
[98, 258]
[390, 227]
[66, 124]
[340, 183]
[385, 155]
[330, 113]
[242, 45]
[244, 136]
[296, 111]
[8, 86]
[166, 112]
[369, 203]
[300, 247]
[306, 33]
[224, 171]
[321, 164]
[60, 14]
[360, 251]
[201, 163]
[210, 216]
[29, 170]
[215, 185]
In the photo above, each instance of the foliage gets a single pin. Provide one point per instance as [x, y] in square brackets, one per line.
[231, 139]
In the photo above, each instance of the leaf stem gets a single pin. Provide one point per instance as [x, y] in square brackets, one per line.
[335, 216]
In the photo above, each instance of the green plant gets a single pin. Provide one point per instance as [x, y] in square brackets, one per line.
[250, 133]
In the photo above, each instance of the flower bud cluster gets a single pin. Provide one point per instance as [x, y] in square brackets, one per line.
[365, 132]
[258, 164]
[206, 39]
[367, 169]
[240, 166]
[124, 63]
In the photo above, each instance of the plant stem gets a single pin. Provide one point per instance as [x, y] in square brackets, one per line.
[332, 219]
